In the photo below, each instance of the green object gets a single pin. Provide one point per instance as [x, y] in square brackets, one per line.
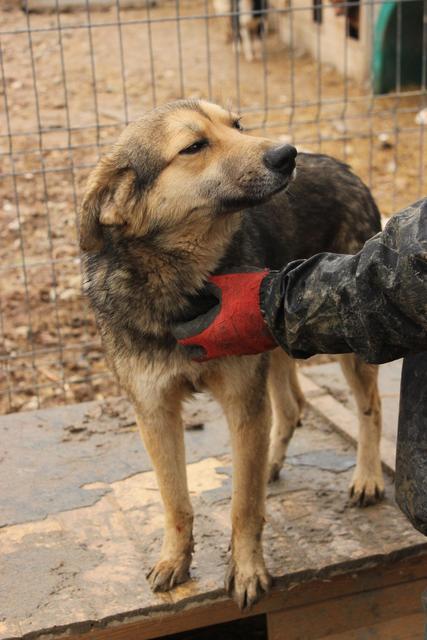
[398, 52]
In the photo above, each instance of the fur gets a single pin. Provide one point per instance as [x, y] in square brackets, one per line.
[183, 194]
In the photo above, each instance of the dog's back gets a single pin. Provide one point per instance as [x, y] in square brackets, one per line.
[326, 208]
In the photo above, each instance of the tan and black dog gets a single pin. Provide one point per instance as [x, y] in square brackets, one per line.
[183, 194]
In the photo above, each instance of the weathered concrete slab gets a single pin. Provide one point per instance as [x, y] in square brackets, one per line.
[49, 458]
[83, 567]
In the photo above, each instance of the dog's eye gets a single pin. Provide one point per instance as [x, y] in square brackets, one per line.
[194, 148]
[237, 124]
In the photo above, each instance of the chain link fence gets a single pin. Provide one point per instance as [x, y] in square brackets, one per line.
[347, 79]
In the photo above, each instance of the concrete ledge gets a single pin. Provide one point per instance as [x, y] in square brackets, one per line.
[85, 524]
[343, 420]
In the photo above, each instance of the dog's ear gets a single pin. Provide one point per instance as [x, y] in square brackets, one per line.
[105, 201]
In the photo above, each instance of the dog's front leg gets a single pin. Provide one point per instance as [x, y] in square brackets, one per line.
[245, 402]
[162, 431]
[247, 576]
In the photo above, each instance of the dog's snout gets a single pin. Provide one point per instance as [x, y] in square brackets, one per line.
[281, 158]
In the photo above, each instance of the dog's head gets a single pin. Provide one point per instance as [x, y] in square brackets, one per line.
[186, 163]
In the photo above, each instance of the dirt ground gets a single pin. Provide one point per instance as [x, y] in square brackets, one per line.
[68, 88]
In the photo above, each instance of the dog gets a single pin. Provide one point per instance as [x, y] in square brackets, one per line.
[247, 24]
[183, 194]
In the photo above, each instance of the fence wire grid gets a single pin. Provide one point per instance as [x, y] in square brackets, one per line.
[346, 79]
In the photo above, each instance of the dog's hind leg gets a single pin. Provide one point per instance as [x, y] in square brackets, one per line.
[367, 485]
[159, 421]
[287, 402]
[241, 390]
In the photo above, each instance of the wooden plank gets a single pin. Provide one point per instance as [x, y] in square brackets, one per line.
[348, 613]
[284, 599]
[147, 628]
[398, 571]
[410, 627]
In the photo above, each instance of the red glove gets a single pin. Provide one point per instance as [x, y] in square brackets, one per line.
[233, 323]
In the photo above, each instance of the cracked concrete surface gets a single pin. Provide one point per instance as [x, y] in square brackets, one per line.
[88, 525]
[65, 458]
[83, 522]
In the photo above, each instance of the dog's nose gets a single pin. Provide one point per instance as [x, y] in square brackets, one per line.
[281, 158]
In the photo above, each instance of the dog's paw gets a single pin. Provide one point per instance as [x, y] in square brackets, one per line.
[246, 585]
[166, 574]
[273, 473]
[366, 490]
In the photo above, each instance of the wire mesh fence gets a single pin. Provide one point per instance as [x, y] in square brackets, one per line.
[347, 79]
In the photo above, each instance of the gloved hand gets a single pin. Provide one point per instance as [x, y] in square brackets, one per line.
[226, 319]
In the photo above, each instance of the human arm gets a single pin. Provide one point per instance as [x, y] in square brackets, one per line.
[373, 303]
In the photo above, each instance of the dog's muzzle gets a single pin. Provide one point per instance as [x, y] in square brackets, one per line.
[281, 159]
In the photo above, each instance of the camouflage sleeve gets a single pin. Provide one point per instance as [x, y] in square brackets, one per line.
[373, 303]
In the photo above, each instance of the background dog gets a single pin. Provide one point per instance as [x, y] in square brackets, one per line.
[247, 24]
[183, 194]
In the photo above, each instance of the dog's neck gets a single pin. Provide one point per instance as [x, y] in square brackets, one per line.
[172, 264]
